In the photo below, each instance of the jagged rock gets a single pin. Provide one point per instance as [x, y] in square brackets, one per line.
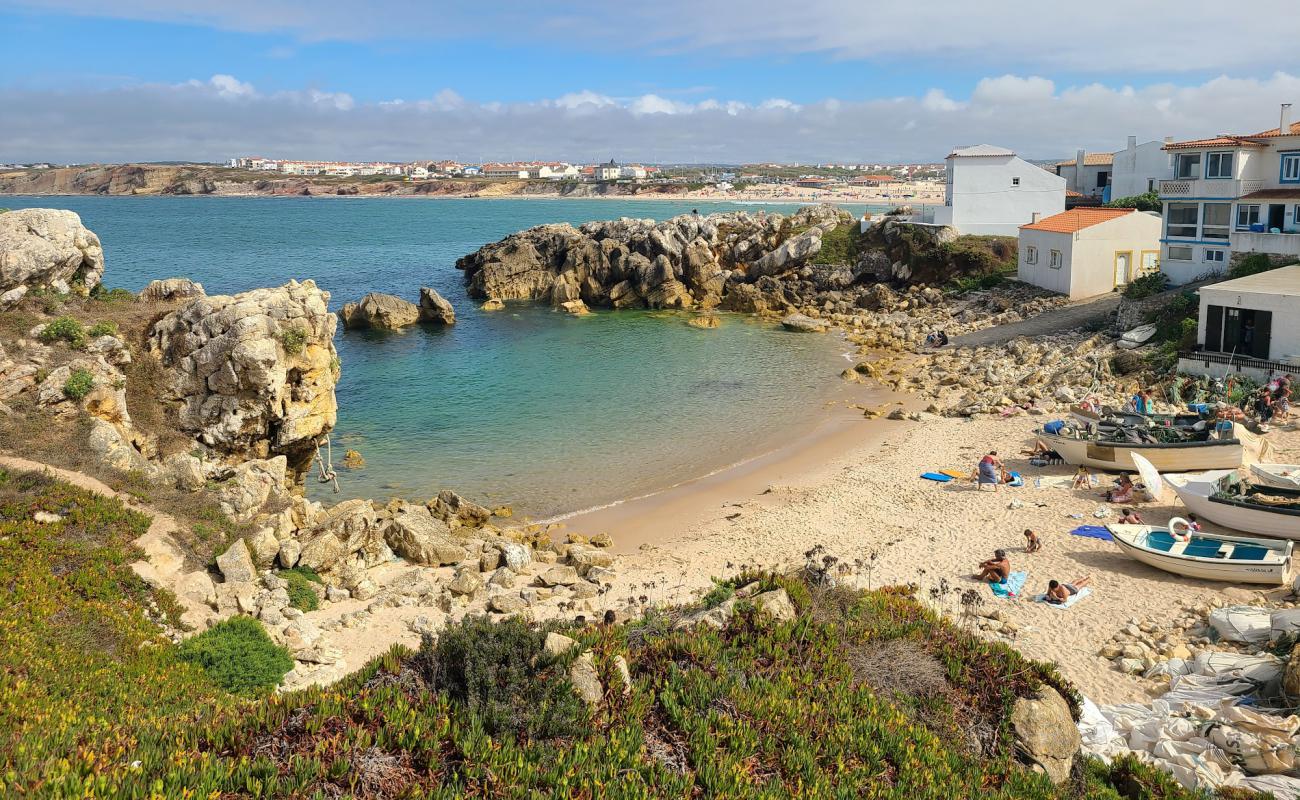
[794, 252]
[236, 564]
[624, 674]
[264, 547]
[48, 249]
[249, 487]
[434, 308]
[289, 553]
[492, 304]
[584, 558]
[450, 507]
[184, 471]
[1046, 730]
[467, 582]
[585, 679]
[416, 535]
[705, 321]
[506, 603]
[111, 449]
[803, 324]
[777, 604]
[517, 556]
[337, 594]
[575, 307]
[380, 311]
[557, 644]
[171, 289]
[716, 617]
[113, 349]
[252, 375]
[12, 297]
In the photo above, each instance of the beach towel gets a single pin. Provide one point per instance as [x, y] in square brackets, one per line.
[1010, 588]
[1016, 480]
[1074, 598]
[936, 476]
[1093, 532]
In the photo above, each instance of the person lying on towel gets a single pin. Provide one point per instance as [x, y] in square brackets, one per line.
[1058, 592]
[996, 569]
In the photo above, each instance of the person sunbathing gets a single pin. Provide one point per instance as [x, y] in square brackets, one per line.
[996, 569]
[1130, 517]
[1122, 493]
[1032, 543]
[1059, 593]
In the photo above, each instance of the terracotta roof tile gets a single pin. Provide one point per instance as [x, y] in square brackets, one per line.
[1076, 219]
[1090, 160]
[1272, 132]
[1272, 194]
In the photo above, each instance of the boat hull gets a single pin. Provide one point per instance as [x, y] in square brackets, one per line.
[1272, 572]
[1118, 456]
[1198, 497]
[1276, 475]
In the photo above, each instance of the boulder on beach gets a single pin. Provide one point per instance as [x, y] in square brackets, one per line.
[803, 324]
[381, 312]
[434, 308]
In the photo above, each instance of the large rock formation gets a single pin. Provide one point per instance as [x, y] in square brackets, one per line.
[687, 261]
[435, 308]
[253, 374]
[379, 311]
[44, 248]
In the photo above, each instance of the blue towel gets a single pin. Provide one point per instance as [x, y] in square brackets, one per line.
[1010, 588]
[1093, 532]
[936, 476]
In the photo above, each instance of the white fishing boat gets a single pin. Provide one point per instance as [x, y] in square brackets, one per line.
[1234, 503]
[1209, 556]
[1205, 452]
[1282, 476]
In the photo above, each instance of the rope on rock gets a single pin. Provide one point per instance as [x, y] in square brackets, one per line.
[326, 464]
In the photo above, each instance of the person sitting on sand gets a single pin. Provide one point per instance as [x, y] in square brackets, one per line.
[996, 569]
[1059, 593]
[990, 470]
[1122, 493]
[1082, 480]
[1032, 543]
[1130, 517]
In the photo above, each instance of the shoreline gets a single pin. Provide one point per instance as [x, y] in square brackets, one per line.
[651, 197]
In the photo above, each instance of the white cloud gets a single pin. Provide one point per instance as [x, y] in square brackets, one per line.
[222, 116]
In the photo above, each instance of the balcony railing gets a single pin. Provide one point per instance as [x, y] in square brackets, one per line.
[1239, 362]
[1200, 187]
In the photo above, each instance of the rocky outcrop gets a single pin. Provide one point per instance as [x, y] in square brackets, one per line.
[44, 248]
[688, 261]
[380, 311]
[170, 289]
[1046, 732]
[434, 308]
[252, 375]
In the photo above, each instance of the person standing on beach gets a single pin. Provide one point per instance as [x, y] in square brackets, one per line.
[990, 471]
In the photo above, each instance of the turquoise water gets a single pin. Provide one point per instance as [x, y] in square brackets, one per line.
[527, 407]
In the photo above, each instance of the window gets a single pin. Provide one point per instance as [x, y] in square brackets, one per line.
[1103, 178]
[1214, 256]
[1247, 215]
[1182, 220]
[1187, 165]
[1218, 165]
[1151, 184]
[1015, 181]
[1031, 255]
[1056, 260]
[1290, 168]
[1216, 220]
[1180, 253]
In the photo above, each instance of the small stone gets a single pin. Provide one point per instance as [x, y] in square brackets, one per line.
[506, 603]
[337, 594]
[558, 644]
[1131, 666]
[585, 679]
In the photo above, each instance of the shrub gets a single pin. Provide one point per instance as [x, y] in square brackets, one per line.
[501, 673]
[293, 340]
[104, 328]
[1252, 265]
[79, 384]
[301, 594]
[64, 329]
[1146, 286]
[839, 245]
[1148, 201]
[111, 295]
[238, 656]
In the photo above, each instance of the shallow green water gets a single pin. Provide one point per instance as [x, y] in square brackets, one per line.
[529, 407]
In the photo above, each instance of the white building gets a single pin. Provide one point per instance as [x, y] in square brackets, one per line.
[607, 172]
[990, 190]
[1138, 169]
[633, 171]
[1248, 326]
[1085, 252]
[1230, 197]
[505, 171]
[1092, 179]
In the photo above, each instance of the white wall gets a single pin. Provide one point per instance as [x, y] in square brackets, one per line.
[1092, 270]
[1284, 334]
[1134, 168]
[985, 201]
[1041, 273]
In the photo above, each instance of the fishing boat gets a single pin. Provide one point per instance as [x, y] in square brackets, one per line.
[1188, 451]
[1234, 503]
[1089, 414]
[1209, 556]
[1281, 476]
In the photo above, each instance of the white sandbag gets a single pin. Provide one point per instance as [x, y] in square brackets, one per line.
[1250, 624]
[1096, 732]
[1170, 668]
[1284, 621]
[1261, 667]
[1282, 786]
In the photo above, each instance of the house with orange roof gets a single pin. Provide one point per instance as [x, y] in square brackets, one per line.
[1085, 252]
[1230, 197]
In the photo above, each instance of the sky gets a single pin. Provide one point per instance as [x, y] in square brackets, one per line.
[669, 81]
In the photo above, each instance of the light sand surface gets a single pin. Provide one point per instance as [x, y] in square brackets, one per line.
[871, 499]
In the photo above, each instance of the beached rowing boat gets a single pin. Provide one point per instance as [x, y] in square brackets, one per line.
[1232, 502]
[1210, 556]
[1282, 476]
[1181, 456]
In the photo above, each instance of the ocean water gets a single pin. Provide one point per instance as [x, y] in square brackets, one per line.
[528, 407]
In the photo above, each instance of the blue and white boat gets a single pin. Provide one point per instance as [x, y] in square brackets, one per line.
[1209, 556]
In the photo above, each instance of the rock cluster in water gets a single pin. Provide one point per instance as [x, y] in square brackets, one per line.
[390, 312]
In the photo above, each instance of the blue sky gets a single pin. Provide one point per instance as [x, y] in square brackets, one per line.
[678, 80]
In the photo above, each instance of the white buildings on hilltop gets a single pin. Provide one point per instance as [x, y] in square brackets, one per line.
[1085, 252]
[990, 190]
[607, 172]
[1230, 197]
[1248, 326]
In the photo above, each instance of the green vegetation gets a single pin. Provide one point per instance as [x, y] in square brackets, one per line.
[1253, 265]
[840, 245]
[978, 262]
[293, 340]
[78, 384]
[111, 295]
[1148, 201]
[64, 329]
[104, 328]
[1146, 286]
[1175, 323]
[301, 594]
[238, 655]
[861, 694]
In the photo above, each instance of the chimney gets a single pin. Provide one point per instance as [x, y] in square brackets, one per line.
[1079, 158]
[1034, 217]
[1132, 143]
[1169, 140]
[1284, 124]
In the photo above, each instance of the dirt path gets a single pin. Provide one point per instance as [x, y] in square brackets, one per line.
[1075, 315]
